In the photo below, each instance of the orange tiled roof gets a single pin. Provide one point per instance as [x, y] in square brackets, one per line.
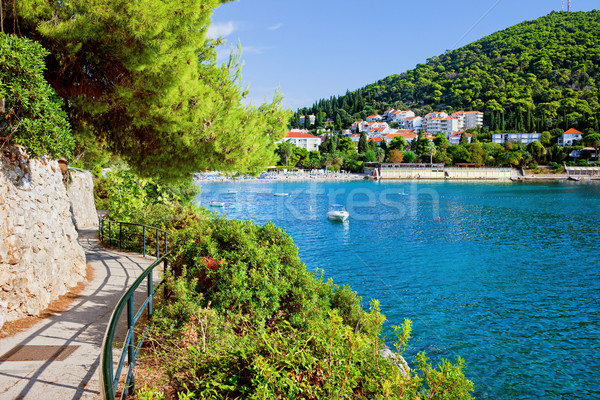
[300, 135]
[573, 131]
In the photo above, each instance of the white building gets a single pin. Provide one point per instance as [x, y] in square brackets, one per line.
[428, 118]
[400, 116]
[454, 139]
[311, 117]
[302, 139]
[374, 118]
[412, 123]
[570, 136]
[525, 138]
[468, 119]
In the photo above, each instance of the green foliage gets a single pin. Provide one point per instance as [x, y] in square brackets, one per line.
[32, 114]
[398, 143]
[143, 77]
[536, 75]
[362, 143]
[245, 319]
[131, 198]
[409, 157]
[284, 150]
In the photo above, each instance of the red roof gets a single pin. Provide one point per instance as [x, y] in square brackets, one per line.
[300, 135]
[377, 139]
[573, 131]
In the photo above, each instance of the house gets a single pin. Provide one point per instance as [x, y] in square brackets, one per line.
[387, 115]
[311, 119]
[428, 118]
[355, 137]
[377, 140]
[374, 118]
[445, 125]
[401, 116]
[412, 123]
[570, 136]
[408, 134]
[302, 139]
[525, 138]
[454, 139]
[468, 119]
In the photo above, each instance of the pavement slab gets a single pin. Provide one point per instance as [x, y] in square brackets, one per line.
[64, 364]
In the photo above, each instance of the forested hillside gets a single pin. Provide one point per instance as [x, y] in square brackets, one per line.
[536, 75]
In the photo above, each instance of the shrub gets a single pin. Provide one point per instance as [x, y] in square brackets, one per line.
[32, 115]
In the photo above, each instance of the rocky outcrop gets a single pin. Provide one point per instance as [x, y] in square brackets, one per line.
[81, 195]
[40, 257]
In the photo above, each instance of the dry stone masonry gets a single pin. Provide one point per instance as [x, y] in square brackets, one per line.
[81, 194]
[40, 258]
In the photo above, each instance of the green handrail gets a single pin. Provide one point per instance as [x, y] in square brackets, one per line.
[108, 377]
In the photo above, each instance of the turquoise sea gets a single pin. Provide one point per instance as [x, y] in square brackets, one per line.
[505, 275]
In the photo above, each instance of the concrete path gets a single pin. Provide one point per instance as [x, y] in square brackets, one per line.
[82, 325]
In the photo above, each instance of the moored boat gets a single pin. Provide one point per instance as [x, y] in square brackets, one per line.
[337, 212]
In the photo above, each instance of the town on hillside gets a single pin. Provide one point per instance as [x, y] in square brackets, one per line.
[401, 136]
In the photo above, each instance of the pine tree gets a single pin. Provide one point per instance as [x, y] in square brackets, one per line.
[362, 143]
[143, 77]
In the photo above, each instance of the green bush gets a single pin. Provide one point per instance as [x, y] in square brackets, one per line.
[246, 319]
[32, 115]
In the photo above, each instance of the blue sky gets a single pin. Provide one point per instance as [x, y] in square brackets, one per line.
[316, 49]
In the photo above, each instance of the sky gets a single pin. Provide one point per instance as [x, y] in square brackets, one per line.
[314, 49]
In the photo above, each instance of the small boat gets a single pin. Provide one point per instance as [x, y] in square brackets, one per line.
[403, 193]
[573, 178]
[337, 212]
[231, 191]
[282, 194]
[217, 204]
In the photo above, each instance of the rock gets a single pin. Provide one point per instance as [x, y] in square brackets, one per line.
[399, 361]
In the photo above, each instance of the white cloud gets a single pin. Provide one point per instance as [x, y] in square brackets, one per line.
[275, 27]
[220, 29]
[253, 50]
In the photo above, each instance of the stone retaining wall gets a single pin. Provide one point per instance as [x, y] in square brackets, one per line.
[81, 195]
[40, 258]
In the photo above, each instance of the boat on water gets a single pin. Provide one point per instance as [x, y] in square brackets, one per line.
[217, 204]
[337, 212]
[282, 194]
[232, 191]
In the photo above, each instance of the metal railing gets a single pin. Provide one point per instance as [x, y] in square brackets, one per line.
[127, 237]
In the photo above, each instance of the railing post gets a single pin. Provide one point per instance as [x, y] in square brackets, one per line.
[144, 238]
[157, 245]
[165, 266]
[101, 224]
[150, 294]
[130, 322]
[166, 244]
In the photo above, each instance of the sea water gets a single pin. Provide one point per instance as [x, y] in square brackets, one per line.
[505, 275]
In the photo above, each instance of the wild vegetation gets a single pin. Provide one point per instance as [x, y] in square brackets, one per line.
[32, 114]
[245, 318]
[536, 75]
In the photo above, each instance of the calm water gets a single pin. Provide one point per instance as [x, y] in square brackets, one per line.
[505, 275]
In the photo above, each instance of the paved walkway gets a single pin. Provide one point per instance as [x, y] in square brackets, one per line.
[82, 325]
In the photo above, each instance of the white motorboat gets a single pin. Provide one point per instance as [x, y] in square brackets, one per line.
[217, 204]
[232, 191]
[282, 194]
[337, 212]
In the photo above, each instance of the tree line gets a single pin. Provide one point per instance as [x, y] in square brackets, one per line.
[534, 76]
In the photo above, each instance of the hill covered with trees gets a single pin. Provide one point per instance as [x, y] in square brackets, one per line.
[536, 75]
